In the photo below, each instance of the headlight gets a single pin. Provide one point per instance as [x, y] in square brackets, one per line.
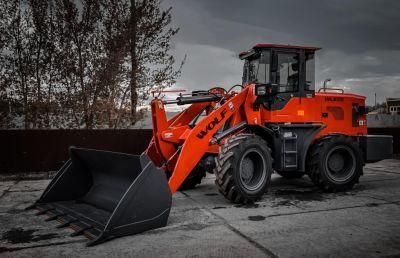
[261, 90]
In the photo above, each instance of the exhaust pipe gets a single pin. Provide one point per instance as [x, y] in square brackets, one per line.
[105, 195]
[326, 82]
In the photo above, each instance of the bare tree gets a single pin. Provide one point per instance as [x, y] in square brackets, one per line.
[17, 56]
[6, 8]
[78, 36]
[24, 56]
[41, 50]
[152, 65]
[82, 63]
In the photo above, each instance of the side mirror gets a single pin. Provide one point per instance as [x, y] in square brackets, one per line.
[274, 88]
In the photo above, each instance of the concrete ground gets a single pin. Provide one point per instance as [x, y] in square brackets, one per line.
[293, 219]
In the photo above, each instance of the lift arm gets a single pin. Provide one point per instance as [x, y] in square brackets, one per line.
[181, 145]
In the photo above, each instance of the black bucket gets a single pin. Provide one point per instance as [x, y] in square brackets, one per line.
[104, 195]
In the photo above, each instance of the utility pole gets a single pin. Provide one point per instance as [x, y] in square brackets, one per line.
[375, 100]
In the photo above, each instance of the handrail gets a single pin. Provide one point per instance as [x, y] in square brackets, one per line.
[332, 89]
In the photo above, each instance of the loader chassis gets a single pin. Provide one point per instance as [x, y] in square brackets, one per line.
[274, 121]
[277, 102]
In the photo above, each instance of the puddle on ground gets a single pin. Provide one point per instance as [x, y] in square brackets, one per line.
[19, 235]
[211, 194]
[219, 207]
[256, 218]
[372, 204]
[247, 205]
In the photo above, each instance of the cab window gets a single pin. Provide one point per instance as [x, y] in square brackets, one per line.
[310, 72]
[287, 75]
[257, 69]
[263, 70]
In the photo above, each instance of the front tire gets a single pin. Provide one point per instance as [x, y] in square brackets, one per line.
[243, 168]
[335, 163]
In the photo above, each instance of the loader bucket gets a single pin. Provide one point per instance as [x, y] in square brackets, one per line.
[104, 195]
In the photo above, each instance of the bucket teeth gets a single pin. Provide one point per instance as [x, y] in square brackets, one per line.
[66, 223]
[54, 214]
[41, 212]
[79, 228]
[30, 207]
[80, 231]
[92, 233]
[54, 217]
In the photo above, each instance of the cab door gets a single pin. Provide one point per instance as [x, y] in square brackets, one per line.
[286, 74]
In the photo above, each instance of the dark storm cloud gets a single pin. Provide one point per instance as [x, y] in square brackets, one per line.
[355, 25]
[360, 39]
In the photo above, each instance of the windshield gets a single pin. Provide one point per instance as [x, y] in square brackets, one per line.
[257, 68]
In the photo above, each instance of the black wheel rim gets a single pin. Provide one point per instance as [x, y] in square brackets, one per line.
[340, 163]
[252, 169]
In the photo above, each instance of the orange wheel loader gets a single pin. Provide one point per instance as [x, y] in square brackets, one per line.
[274, 121]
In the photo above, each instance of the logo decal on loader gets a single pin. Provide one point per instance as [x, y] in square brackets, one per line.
[231, 106]
[212, 124]
[338, 99]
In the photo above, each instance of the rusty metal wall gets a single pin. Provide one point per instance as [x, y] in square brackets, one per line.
[47, 150]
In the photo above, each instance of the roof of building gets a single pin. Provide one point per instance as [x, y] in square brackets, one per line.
[269, 45]
[392, 99]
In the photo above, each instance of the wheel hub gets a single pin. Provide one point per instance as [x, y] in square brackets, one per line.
[247, 169]
[340, 163]
[336, 162]
[252, 169]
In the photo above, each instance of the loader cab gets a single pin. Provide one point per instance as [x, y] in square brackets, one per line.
[289, 71]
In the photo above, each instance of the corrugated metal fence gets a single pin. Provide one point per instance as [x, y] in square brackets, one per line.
[47, 150]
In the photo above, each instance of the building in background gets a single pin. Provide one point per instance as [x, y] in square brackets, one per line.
[393, 105]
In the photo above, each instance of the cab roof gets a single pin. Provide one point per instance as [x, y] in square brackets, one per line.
[281, 46]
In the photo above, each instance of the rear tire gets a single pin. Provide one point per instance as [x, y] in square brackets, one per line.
[243, 168]
[335, 163]
[290, 174]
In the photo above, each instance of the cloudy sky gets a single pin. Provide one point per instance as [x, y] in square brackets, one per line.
[360, 40]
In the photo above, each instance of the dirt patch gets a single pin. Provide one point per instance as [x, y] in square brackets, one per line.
[247, 205]
[19, 235]
[303, 195]
[194, 226]
[282, 203]
[300, 196]
[14, 211]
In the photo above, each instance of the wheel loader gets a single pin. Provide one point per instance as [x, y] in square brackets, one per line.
[275, 121]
